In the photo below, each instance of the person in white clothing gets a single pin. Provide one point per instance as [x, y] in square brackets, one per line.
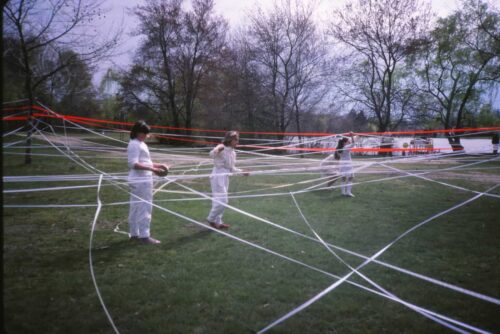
[224, 156]
[345, 164]
[140, 179]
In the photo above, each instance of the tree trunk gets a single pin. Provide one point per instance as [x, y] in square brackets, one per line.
[297, 124]
[454, 141]
[29, 123]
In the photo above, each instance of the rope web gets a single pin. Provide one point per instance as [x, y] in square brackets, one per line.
[191, 164]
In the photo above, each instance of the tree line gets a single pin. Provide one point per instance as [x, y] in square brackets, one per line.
[377, 65]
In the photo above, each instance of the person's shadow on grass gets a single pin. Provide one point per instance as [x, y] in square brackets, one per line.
[125, 243]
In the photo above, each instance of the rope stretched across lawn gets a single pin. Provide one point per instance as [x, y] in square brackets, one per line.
[370, 259]
[77, 119]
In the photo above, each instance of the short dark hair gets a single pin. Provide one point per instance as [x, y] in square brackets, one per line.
[139, 127]
[229, 136]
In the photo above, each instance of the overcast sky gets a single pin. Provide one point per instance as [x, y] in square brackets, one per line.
[232, 10]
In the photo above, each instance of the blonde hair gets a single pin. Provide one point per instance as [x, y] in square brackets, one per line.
[229, 136]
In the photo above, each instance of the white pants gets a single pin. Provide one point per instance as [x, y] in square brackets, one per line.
[141, 206]
[220, 186]
[345, 168]
[347, 173]
[346, 186]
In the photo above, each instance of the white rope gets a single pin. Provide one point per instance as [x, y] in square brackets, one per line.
[458, 289]
[13, 132]
[99, 205]
[435, 181]
[431, 280]
[13, 143]
[218, 231]
[416, 308]
[294, 260]
[373, 257]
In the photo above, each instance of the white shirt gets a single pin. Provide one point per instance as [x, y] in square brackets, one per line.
[345, 152]
[226, 159]
[138, 151]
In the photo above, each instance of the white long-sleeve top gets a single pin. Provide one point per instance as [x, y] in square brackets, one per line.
[225, 159]
[345, 152]
[138, 151]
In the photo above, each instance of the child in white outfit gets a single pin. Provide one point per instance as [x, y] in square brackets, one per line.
[224, 156]
[345, 165]
[140, 179]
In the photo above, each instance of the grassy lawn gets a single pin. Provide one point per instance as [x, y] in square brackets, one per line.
[199, 281]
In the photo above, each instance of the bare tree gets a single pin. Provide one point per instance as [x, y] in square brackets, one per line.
[483, 12]
[249, 91]
[47, 30]
[266, 41]
[379, 35]
[460, 60]
[290, 55]
[231, 95]
[178, 50]
[309, 81]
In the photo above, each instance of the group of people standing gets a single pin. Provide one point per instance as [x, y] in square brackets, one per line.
[142, 169]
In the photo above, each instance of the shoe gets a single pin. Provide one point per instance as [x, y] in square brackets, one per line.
[350, 195]
[150, 241]
[218, 226]
[134, 238]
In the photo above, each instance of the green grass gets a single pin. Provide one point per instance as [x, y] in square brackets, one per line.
[198, 281]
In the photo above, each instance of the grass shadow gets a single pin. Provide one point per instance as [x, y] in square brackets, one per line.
[125, 244]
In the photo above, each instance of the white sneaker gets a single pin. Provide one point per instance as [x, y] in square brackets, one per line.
[350, 195]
